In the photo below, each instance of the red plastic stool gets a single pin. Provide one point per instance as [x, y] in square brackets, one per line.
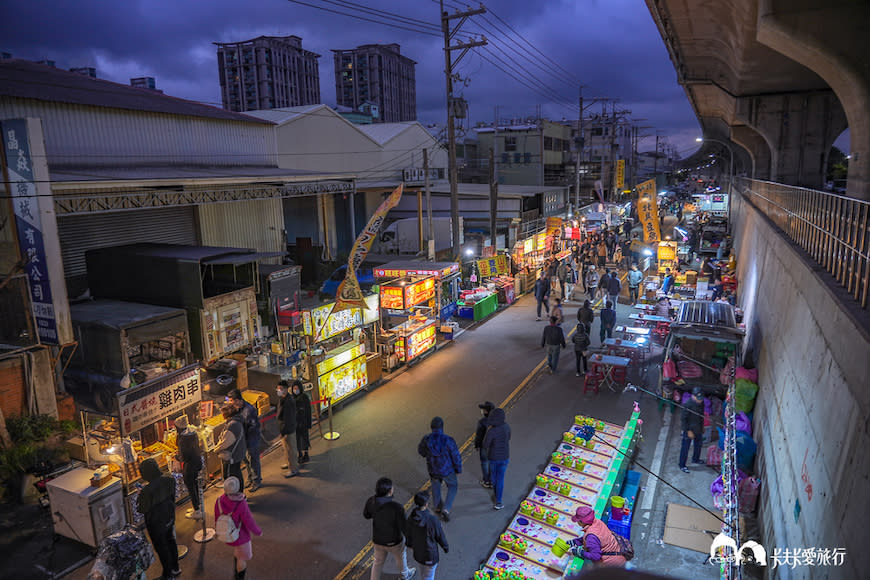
[592, 382]
[619, 375]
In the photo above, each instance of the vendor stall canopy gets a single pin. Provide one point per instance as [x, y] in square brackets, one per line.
[711, 320]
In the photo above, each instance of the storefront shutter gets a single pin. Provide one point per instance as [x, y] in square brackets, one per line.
[80, 233]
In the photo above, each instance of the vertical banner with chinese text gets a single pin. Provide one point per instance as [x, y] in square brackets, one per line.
[349, 294]
[620, 174]
[648, 210]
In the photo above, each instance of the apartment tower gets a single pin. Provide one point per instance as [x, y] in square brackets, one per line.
[267, 72]
[379, 75]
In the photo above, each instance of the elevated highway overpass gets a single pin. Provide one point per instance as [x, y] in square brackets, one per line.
[778, 79]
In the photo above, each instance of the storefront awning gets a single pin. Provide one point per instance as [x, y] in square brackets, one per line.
[236, 259]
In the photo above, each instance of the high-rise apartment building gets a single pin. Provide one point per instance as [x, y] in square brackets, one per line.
[267, 72]
[380, 75]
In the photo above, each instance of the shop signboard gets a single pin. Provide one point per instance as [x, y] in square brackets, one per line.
[420, 342]
[340, 359]
[647, 210]
[422, 271]
[343, 381]
[371, 313]
[554, 224]
[148, 403]
[573, 234]
[528, 245]
[419, 292]
[28, 223]
[495, 266]
[540, 242]
[620, 173]
[326, 323]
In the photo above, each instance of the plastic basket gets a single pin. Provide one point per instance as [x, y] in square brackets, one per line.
[621, 527]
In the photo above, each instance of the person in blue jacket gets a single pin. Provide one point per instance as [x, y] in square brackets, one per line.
[443, 463]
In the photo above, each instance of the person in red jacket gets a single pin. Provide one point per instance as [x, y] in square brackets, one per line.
[599, 547]
[233, 502]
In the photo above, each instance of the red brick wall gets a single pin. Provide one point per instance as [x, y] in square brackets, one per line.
[12, 388]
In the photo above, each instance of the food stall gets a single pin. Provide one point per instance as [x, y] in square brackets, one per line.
[140, 426]
[412, 298]
[478, 303]
[586, 469]
[496, 270]
[447, 279]
[336, 352]
[667, 256]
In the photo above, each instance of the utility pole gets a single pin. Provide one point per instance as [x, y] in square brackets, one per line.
[580, 143]
[449, 63]
[493, 202]
[430, 252]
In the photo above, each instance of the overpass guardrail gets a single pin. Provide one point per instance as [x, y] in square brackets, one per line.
[831, 228]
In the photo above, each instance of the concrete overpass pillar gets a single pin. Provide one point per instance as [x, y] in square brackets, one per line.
[757, 149]
[829, 38]
[799, 129]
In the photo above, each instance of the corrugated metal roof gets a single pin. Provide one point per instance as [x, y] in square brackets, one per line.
[286, 114]
[383, 132]
[120, 315]
[169, 172]
[30, 80]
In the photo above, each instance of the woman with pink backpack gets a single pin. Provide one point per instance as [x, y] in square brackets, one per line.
[234, 524]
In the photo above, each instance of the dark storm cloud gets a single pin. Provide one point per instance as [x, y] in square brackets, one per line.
[611, 46]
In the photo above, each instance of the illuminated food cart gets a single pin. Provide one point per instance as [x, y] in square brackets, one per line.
[667, 256]
[412, 298]
[446, 276]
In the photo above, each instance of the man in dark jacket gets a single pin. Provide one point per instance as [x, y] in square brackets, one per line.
[614, 287]
[554, 339]
[581, 347]
[542, 294]
[443, 463]
[424, 534]
[303, 420]
[586, 315]
[231, 446]
[608, 321]
[251, 421]
[485, 409]
[190, 454]
[388, 529]
[286, 416]
[692, 425]
[157, 503]
[497, 445]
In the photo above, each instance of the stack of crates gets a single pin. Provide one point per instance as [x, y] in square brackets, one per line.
[630, 491]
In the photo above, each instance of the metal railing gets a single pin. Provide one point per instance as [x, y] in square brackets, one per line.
[831, 228]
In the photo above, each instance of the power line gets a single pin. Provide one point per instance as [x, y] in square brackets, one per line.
[543, 89]
[340, 13]
[392, 15]
[540, 92]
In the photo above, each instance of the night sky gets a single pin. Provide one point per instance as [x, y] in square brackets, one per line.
[610, 46]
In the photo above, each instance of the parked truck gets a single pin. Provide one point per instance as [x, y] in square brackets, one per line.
[403, 236]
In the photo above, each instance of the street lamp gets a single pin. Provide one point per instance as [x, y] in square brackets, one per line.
[730, 168]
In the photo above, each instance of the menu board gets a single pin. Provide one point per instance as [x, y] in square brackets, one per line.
[344, 380]
[540, 242]
[140, 407]
[392, 298]
[341, 358]
[528, 245]
[420, 342]
[419, 292]
[324, 323]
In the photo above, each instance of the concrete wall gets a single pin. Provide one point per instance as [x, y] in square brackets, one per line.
[811, 417]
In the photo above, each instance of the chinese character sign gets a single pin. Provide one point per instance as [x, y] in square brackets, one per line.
[148, 403]
[22, 190]
[647, 211]
[494, 266]
[620, 173]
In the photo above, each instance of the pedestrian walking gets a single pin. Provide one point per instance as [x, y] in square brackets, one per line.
[586, 315]
[157, 503]
[233, 503]
[485, 408]
[251, 421]
[231, 445]
[592, 279]
[423, 535]
[542, 294]
[497, 445]
[190, 455]
[667, 281]
[614, 287]
[608, 321]
[562, 276]
[617, 255]
[302, 403]
[443, 463]
[554, 339]
[388, 529]
[602, 253]
[581, 347]
[600, 547]
[286, 418]
[635, 277]
[692, 425]
[557, 311]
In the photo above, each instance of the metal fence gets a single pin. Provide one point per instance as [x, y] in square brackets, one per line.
[831, 228]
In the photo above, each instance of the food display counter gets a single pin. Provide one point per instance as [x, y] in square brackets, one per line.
[414, 337]
[478, 303]
[446, 276]
[586, 469]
